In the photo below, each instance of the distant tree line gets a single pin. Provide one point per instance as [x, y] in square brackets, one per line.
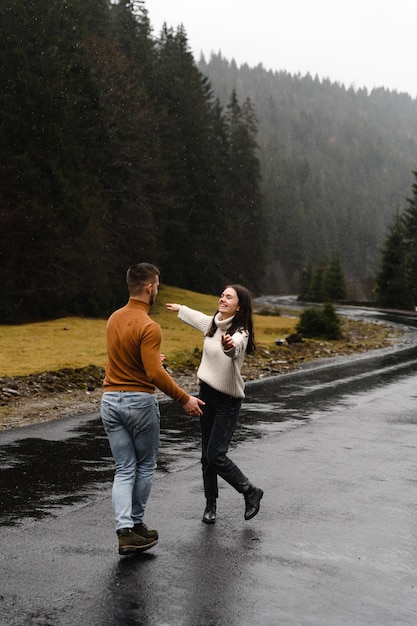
[396, 285]
[114, 149]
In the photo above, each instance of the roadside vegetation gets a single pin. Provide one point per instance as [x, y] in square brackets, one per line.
[50, 370]
[76, 342]
[72, 350]
[320, 322]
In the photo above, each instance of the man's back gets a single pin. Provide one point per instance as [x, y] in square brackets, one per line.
[130, 336]
[134, 353]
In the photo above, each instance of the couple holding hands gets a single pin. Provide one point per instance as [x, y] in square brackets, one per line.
[130, 410]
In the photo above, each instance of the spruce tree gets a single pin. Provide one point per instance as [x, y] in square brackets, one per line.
[306, 276]
[391, 282]
[245, 228]
[335, 289]
[410, 242]
[396, 284]
[316, 292]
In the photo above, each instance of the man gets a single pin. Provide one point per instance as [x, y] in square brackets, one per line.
[129, 409]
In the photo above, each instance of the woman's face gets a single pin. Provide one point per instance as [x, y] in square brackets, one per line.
[228, 303]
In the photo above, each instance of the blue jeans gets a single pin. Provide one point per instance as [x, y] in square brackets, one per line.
[218, 423]
[132, 424]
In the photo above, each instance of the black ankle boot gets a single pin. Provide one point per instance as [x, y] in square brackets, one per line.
[209, 516]
[253, 498]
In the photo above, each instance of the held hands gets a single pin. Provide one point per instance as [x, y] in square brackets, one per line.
[227, 342]
[173, 307]
[192, 407]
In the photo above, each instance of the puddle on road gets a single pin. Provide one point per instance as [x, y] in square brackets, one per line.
[39, 475]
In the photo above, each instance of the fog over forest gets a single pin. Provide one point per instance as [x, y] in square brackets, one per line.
[337, 164]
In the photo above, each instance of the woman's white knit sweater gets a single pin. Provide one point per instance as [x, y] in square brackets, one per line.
[219, 368]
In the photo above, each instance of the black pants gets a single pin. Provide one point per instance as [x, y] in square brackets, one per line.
[218, 423]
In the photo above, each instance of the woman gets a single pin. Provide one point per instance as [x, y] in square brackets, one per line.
[228, 336]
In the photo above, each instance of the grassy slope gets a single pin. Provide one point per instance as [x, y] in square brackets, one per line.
[77, 342]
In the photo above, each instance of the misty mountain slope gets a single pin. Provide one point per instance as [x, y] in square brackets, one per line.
[336, 165]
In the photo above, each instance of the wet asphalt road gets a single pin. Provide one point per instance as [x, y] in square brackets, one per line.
[333, 447]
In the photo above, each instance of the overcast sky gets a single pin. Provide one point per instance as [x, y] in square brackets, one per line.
[364, 43]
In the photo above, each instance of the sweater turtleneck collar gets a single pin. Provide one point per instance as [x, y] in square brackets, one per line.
[139, 304]
[223, 324]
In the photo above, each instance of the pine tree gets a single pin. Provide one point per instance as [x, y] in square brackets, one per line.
[335, 289]
[391, 282]
[246, 233]
[306, 277]
[396, 284]
[410, 242]
[130, 157]
[316, 292]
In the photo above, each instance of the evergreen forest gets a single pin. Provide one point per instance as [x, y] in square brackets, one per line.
[114, 150]
[118, 147]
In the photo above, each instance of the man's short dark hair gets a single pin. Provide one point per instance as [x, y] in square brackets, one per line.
[140, 275]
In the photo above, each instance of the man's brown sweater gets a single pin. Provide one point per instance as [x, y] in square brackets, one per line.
[134, 353]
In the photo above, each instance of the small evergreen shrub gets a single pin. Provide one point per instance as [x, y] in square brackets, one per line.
[320, 322]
